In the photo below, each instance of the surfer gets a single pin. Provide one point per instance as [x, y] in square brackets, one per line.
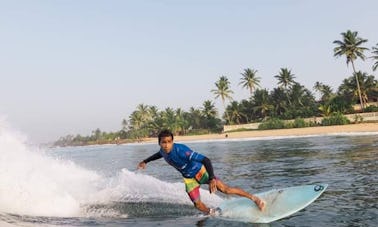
[196, 170]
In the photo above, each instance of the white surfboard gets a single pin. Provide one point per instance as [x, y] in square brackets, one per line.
[280, 203]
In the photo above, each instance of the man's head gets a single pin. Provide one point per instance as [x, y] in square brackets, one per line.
[165, 138]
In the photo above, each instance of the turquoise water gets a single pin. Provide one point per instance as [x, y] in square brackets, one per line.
[100, 186]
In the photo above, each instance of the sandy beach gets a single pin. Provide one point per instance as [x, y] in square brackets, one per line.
[321, 130]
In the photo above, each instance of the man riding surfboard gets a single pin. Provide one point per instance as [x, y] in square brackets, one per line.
[196, 169]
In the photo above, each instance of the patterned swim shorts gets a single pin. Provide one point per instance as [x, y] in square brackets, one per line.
[192, 185]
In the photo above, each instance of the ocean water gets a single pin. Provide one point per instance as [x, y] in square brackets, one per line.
[100, 186]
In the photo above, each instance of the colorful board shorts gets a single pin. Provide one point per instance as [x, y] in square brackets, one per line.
[192, 185]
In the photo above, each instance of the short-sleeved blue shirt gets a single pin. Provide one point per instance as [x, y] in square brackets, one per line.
[186, 161]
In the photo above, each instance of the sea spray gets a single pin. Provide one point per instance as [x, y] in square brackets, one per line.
[135, 186]
[32, 183]
[129, 187]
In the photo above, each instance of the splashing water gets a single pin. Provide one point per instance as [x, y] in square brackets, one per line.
[32, 183]
[35, 184]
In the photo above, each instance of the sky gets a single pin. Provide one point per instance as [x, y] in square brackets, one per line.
[72, 66]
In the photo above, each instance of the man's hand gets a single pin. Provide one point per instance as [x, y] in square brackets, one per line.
[213, 186]
[141, 165]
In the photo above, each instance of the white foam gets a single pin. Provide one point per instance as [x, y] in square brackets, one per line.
[136, 187]
[33, 183]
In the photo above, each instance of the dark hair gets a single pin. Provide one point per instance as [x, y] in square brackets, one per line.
[164, 133]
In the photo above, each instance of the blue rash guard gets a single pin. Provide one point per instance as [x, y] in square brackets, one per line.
[194, 167]
[186, 161]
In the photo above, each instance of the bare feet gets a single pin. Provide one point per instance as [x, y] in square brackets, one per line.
[260, 203]
[215, 211]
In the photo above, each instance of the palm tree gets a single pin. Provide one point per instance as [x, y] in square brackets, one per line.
[136, 120]
[324, 90]
[325, 110]
[195, 117]
[96, 134]
[169, 119]
[153, 111]
[297, 94]
[155, 123]
[125, 125]
[140, 121]
[285, 78]
[208, 109]
[351, 47]
[327, 93]
[368, 85]
[180, 122]
[261, 103]
[144, 111]
[250, 80]
[375, 57]
[285, 81]
[209, 115]
[303, 102]
[235, 112]
[318, 86]
[247, 109]
[347, 89]
[223, 91]
[279, 101]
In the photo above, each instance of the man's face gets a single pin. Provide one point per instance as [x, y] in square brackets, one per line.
[166, 144]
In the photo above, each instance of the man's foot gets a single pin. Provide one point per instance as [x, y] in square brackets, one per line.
[260, 204]
[215, 211]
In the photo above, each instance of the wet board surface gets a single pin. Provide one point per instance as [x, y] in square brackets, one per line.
[280, 203]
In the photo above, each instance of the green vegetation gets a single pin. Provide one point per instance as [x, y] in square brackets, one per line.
[335, 119]
[273, 123]
[371, 109]
[289, 100]
[300, 123]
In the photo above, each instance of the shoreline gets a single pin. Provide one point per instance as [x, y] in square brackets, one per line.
[308, 131]
[253, 134]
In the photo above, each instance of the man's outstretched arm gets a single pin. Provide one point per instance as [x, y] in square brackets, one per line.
[153, 157]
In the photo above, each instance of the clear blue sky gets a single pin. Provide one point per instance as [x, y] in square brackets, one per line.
[71, 66]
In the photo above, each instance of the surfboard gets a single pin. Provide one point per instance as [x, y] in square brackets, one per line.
[279, 203]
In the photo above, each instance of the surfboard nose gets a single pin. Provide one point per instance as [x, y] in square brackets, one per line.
[320, 187]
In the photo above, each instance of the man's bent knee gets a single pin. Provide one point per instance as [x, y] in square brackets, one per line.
[225, 189]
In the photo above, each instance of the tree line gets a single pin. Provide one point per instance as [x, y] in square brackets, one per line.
[289, 100]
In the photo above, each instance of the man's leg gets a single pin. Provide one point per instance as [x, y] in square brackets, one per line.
[193, 189]
[238, 191]
[201, 206]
